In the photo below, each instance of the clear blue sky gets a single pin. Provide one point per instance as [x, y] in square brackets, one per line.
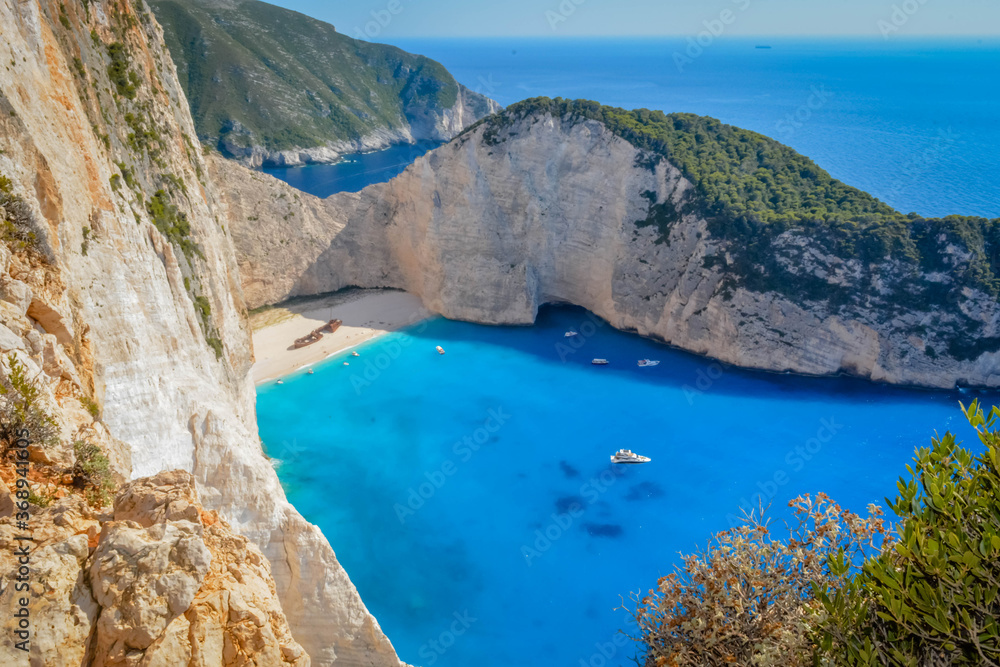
[384, 20]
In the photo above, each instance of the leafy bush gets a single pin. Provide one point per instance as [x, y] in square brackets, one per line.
[20, 409]
[18, 228]
[933, 596]
[121, 76]
[92, 471]
[750, 599]
[41, 500]
[91, 406]
[172, 223]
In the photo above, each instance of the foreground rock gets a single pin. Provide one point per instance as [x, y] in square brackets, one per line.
[156, 581]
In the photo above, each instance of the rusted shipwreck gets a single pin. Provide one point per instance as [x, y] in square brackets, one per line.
[317, 335]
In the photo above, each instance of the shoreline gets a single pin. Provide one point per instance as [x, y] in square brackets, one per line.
[366, 314]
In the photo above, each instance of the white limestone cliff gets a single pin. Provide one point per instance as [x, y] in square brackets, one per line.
[134, 296]
[488, 232]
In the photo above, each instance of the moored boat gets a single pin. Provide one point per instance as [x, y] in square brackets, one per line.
[439, 349]
[570, 334]
[644, 363]
[627, 456]
[600, 362]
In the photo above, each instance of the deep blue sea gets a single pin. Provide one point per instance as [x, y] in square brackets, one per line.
[477, 484]
[354, 172]
[913, 122]
[470, 496]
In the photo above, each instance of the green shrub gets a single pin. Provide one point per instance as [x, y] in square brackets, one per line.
[19, 407]
[81, 69]
[18, 227]
[933, 596]
[91, 406]
[39, 499]
[119, 72]
[92, 472]
[172, 223]
[750, 598]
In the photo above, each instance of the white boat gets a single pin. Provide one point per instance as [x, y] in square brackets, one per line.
[629, 457]
[310, 371]
[440, 349]
[600, 362]
[355, 354]
[643, 363]
[570, 334]
[280, 382]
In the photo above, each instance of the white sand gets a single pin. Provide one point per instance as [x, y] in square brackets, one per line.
[366, 314]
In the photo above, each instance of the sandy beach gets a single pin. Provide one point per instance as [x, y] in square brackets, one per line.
[365, 313]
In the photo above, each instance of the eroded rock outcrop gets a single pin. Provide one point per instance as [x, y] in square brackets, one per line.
[547, 209]
[155, 581]
[120, 293]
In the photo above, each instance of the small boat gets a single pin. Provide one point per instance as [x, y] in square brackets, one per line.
[570, 334]
[439, 349]
[627, 456]
[600, 362]
[310, 371]
[280, 382]
[355, 354]
[346, 364]
[644, 363]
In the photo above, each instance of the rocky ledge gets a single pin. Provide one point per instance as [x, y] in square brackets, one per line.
[157, 580]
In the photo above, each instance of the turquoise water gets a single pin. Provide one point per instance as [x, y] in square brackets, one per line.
[471, 500]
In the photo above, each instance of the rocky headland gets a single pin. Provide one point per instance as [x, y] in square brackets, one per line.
[712, 239]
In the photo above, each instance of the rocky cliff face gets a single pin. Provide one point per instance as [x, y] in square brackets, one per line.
[422, 124]
[553, 209]
[121, 298]
[272, 86]
[156, 580]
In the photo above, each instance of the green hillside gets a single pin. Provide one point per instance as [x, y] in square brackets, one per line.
[752, 188]
[257, 74]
